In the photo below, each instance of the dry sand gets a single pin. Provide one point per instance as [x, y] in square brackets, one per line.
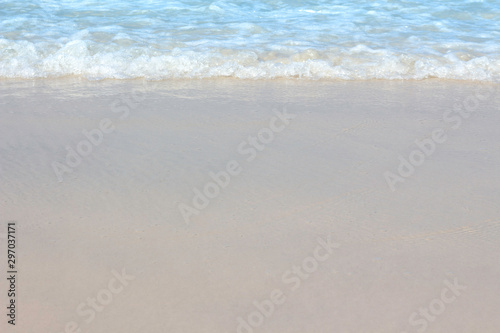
[424, 257]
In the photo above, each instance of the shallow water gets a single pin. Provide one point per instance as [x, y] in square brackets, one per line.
[251, 39]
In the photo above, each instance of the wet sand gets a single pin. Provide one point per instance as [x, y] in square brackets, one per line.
[252, 206]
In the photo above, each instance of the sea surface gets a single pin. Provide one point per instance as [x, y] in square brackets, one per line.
[251, 39]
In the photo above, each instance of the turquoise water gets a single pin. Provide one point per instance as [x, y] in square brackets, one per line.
[250, 39]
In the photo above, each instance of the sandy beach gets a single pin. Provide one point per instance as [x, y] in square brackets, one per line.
[252, 206]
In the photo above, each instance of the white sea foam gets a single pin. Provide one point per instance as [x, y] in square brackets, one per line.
[250, 39]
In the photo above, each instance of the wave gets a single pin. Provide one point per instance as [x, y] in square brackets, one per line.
[24, 59]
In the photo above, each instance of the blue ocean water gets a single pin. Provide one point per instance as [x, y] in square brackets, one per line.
[359, 39]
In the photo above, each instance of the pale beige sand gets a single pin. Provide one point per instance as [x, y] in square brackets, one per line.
[321, 175]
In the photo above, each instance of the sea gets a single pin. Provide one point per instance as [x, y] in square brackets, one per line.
[251, 39]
